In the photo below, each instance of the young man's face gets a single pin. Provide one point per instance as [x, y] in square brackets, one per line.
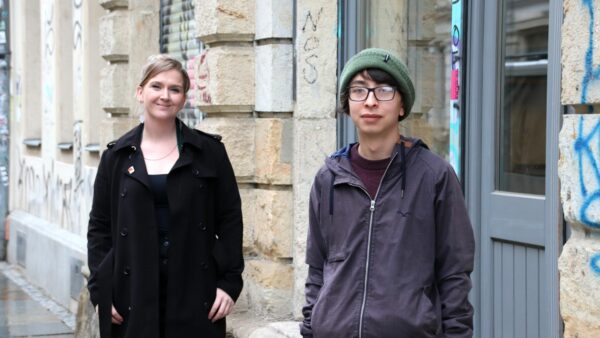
[374, 117]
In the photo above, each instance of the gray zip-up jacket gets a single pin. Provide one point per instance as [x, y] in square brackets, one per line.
[397, 265]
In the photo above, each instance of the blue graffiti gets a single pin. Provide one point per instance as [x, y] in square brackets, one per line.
[583, 150]
[595, 264]
[590, 74]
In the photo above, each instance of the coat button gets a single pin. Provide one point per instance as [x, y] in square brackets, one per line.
[196, 172]
[124, 193]
[201, 226]
[126, 271]
[124, 232]
[166, 243]
[206, 305]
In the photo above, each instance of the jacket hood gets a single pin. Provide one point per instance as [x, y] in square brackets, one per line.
[339, 161]
[341, 169]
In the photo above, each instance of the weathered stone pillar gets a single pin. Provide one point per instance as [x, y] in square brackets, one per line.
[314, 116]
[244, 87]
[579, 170]
[57, 81]
[579, 263]
[129, 33]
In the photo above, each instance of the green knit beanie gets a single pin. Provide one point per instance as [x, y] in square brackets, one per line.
[383, 60]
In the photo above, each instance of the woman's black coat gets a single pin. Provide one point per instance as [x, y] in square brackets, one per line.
[205, 234]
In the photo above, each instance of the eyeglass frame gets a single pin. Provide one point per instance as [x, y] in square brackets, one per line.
[369, 90]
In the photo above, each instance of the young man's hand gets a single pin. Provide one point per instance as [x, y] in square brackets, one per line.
[222, 306]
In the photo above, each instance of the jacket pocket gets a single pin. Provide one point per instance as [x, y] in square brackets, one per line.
[337, 257]
[427, 314]
[334, 260]
[329, 315]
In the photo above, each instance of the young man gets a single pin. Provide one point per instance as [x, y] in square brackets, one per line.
[390, 245]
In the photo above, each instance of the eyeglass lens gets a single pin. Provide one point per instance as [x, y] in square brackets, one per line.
[384, 93]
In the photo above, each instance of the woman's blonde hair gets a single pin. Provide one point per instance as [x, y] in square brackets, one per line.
[161, 63]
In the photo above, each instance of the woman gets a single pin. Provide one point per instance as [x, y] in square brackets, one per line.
[165, 229]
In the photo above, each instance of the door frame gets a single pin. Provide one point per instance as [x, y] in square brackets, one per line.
[478, 100]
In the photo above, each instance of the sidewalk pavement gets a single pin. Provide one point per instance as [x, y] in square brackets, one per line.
[26, 312]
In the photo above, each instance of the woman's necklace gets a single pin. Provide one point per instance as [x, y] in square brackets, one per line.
[161, 158]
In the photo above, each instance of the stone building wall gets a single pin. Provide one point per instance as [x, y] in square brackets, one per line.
[54, 89]
[579, 172]
[267, 84]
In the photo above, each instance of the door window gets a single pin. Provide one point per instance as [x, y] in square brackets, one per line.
[522, 110]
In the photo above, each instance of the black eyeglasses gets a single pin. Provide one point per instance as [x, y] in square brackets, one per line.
[383, 93]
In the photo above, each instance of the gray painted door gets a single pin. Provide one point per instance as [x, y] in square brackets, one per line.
[517, 276]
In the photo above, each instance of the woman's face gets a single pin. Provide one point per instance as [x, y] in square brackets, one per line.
[162, 96]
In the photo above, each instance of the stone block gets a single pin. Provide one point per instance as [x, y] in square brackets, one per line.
[225, 79]
[143, 42]
[278, 330]
[113, 128]
[114, 36]
[274, 144]
[274, 77]
[115, 88]
[220, 20]
[114, 4]
[269, 274]
[580, 80]
[273, 227]
[422, 21]
[249, 325]
[314, 140]
[391, 18]
[579, 267]
[239, 139]
[269, 287]
[146, 5]
[276, 19]
[248, 196]
[316, 55]
[579, 145]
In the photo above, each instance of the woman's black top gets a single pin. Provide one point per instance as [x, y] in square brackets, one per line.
[158, 184]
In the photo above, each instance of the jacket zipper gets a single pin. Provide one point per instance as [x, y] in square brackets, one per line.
[372, 209]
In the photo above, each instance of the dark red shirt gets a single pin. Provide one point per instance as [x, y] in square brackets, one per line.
[369, 172]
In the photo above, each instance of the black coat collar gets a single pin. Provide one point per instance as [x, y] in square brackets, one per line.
[133, 138]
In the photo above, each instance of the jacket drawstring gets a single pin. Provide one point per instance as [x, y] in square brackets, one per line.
[402, 168]
[331, 195]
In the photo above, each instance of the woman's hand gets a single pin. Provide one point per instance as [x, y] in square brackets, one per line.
[222, 306]
[116, 317]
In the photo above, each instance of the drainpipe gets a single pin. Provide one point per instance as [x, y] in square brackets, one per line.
[4, 114]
